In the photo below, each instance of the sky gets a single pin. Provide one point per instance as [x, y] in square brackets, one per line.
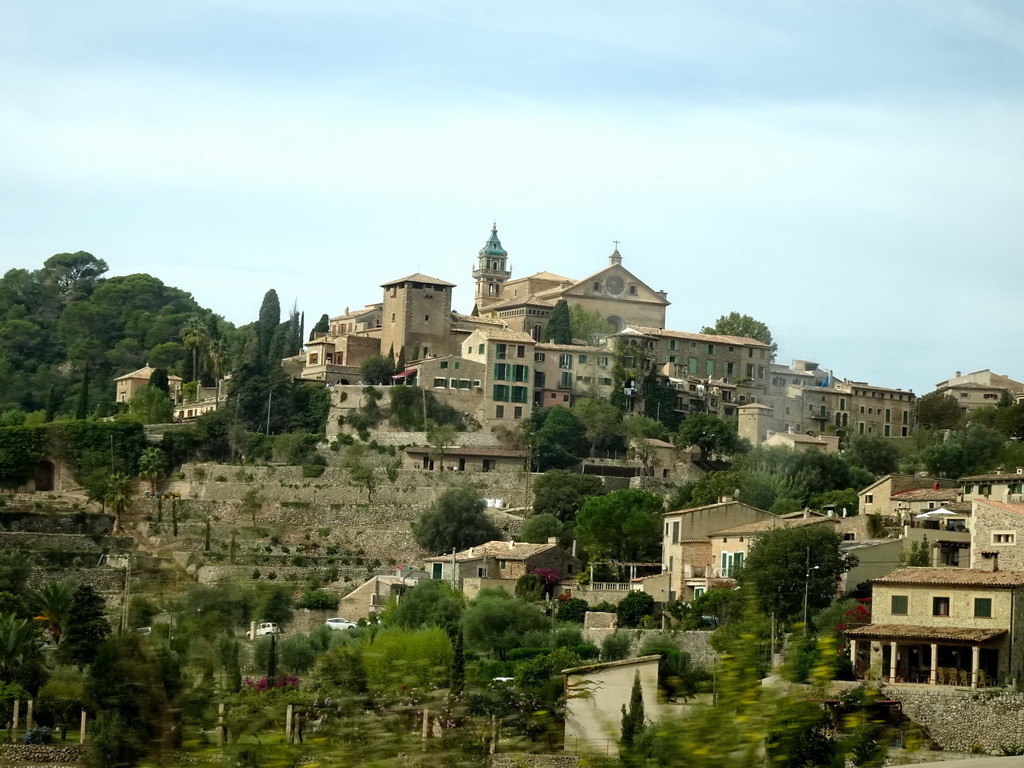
[849, 173]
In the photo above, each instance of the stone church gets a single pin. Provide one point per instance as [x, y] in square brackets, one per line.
[525, 303]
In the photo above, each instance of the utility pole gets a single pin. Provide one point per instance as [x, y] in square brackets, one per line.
[807, 585]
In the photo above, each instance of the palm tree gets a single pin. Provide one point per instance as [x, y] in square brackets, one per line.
[193, 336]
[51, 604]
[19, 646]
[217, 357]
[152, 467]
[117, 495]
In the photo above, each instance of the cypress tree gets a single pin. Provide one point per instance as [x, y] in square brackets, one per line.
[159, 380]
[272, 663]
[633, 721]
[458, 672]
[269, 320]
[559, 330]
[51, 403]
[323, 325]
[82, 410]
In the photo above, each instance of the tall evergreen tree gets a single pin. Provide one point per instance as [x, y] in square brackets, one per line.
[266, 325]
[82, 410]
[51, 403]
[323, 325]
[559, 330]
[458, 673]
[633, 719]
[272, 663]
[87, 627]
[159, 380]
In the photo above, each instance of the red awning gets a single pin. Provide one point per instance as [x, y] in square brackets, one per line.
[403, 374]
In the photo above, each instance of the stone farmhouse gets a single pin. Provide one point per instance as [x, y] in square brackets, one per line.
[130, 383]
[498, 564]
[943, 626]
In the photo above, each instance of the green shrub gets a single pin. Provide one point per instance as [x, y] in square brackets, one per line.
[634, 608]
[615, 646]
[603, 607]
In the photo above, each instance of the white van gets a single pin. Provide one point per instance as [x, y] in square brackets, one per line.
[266, 628]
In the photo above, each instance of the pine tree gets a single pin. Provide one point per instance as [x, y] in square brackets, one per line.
[559, 330]
[82, 410]
[87, 627]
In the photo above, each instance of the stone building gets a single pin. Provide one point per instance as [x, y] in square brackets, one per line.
[128, 384]
[686, 546]
[502, 560]
[995, 486]
[997, 534]
[882, 496]
[943, 626]
[979, 389]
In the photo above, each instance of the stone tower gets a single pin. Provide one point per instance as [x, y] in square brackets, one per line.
[416, 316]
[491, 273]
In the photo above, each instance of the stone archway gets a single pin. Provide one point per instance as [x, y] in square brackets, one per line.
[42, 477]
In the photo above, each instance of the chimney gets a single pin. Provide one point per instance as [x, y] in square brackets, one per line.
[552, 539]
[470, 551]
[989, 562]
[511, 544]
[957, 375]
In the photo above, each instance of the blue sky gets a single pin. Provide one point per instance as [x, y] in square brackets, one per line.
[848, 172]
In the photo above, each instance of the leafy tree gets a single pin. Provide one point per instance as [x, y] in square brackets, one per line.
[938, 411]
[150, 405]
[561, 493]
[431, 603]
[974, 449]
[710, 434]
[400, 658]
[572, 610]
[634, 608]
[876, 454]
[440, 437]
[323, 325]
[585, 324]
[455, 521]
[735, 324]
[602, 422]
[497, 622]
[297, 654]
[782, 561]
[640, 429]
[918, 554]
[360, 472]
[634, 721]
[557, 438]
[623, 525]
[377, 369]
[559, 328]
[845, 499]
[87, 627]
[537, 529]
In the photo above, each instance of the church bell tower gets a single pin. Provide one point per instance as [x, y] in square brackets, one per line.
[491, 273]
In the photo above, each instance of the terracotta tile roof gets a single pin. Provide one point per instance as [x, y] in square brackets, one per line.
[961, 507]
[516, 301]
[927, 494]
[469, 450]
[707, 338]
[996, 477]
[547, 346]
[502, 550]
[768, 525]
[1017, 509]
[965, 577]
[506, 334]
[458, 317]
[919, 632]
[707, 507]
[417, 277]
[147, 372]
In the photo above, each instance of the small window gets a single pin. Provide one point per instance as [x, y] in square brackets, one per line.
[440, 383]
[499, 412]
[1006, 538]
[444, 364]
[869, 498]
[983, 607]
[899, 605]
[517, 412]
[940, 606]
[503, 564]
[426, 318]
[582, 359]
[538, 357]
[480, 349]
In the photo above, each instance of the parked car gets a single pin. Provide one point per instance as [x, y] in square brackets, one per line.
[266, 628]
[340, 623]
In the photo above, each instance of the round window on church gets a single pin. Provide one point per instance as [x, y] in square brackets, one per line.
[615, 323]
[614, 285]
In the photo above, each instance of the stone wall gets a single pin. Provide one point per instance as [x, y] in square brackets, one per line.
[963, 721]
[50, 755]
[64, 542]
[696, 644]
[523, 760]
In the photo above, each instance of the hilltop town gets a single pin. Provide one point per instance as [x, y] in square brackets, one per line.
[541, 528]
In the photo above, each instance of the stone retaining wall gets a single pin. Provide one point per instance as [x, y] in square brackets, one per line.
[523, 760]
[62, 520]
[50, 755]
[965, 720]
[64, 542]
